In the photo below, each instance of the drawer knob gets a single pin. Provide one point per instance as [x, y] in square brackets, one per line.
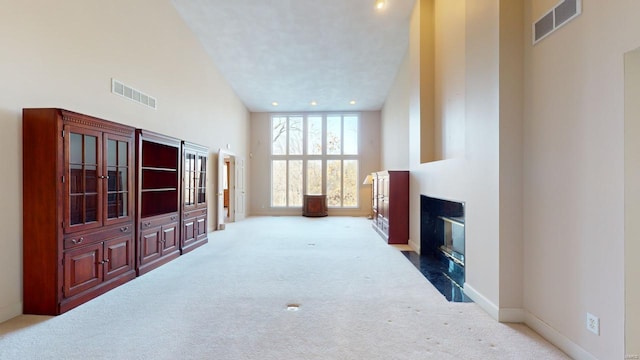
[124, 229]
[79, 241]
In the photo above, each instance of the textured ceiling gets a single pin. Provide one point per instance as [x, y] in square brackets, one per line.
[298, 51]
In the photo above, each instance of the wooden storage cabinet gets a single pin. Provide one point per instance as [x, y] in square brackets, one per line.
[314, 205]
[194, 196]
[390, 206]
[88, 266]
[158, 196]
[78, 175]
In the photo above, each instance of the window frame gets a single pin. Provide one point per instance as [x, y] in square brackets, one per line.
[324, 157]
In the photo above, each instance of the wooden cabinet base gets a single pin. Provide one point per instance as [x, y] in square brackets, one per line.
[314, 205]
[80, 299]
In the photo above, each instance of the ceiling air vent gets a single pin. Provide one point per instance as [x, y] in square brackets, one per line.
[561, 14]
[130, 93]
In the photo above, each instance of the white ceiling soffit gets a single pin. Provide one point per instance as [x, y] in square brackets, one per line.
[298, 51]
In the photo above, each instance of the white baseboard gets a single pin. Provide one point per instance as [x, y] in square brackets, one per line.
[482, 301]
[553, 336]
[11, 311]
[514, 315]
[415, 246]
[511, 315]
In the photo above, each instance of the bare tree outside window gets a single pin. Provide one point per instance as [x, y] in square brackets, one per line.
[334, 135]
[314, 177]
[295, 136]
[314, 155]
[295, 183]
[334, 182]
[314, 135]
[279, 136]
[278, 183]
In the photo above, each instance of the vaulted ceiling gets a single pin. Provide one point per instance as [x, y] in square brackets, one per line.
[294, 52]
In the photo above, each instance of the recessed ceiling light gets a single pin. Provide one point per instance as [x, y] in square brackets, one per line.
[380, 4]
[275, 103]
[352, 102]
[313, 103]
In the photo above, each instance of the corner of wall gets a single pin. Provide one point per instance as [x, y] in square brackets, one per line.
[9, 312]
[511, 315]
[486, 304]
[552, 335]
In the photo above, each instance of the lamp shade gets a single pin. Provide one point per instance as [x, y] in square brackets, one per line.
[368, 180]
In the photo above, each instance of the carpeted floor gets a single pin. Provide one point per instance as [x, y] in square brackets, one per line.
[277, 288]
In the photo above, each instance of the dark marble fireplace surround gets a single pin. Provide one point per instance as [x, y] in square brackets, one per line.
[442, 238]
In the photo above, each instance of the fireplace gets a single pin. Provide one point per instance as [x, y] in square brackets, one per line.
[442, 246]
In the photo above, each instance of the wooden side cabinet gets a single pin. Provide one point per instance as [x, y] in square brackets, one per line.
[314, 205]
[194, 196]
[78, 198]
[158, 199]
[390, 206]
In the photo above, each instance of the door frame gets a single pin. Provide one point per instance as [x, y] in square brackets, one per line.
[224, 154]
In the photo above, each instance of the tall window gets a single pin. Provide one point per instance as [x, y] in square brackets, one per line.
[314, 154]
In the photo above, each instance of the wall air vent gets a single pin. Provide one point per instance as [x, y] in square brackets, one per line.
[560, 15]
[130, 93]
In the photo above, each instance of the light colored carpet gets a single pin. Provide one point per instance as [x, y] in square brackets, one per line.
[358, 298]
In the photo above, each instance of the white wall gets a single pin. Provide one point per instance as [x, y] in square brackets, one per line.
[632, 201]
[574, 172]
[394, 148]
[543, 172]
[468, 105]
[64, 54]
[260, 144]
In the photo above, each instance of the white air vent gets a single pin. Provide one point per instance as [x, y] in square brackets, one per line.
[561, 14]
[130, 93]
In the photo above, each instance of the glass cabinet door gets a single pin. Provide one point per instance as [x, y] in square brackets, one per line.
[189, 181]
[118, 165]
[201, 179]
[83, 190]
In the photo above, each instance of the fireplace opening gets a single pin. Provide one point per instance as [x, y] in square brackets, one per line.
[442, 246]
[453, 240]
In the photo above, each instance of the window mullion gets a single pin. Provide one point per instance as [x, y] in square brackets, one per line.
[294, 160]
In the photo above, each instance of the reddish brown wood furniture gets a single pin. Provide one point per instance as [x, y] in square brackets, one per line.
[194, 196]
[158, 199]
[314, 205]
[78, 214]
[391, 205]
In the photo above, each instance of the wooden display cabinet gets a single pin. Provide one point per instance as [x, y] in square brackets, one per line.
[77, 208]
[194, 196]
[158, 200]
[391, 205]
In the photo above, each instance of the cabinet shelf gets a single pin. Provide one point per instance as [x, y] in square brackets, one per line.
[153, 168]
[158, 190]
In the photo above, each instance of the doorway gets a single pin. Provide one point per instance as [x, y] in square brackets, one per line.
[226, 180]
[230, 188]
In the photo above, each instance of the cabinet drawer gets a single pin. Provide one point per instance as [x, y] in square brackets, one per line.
[152, 222]
[194, 213]
[85, 238]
